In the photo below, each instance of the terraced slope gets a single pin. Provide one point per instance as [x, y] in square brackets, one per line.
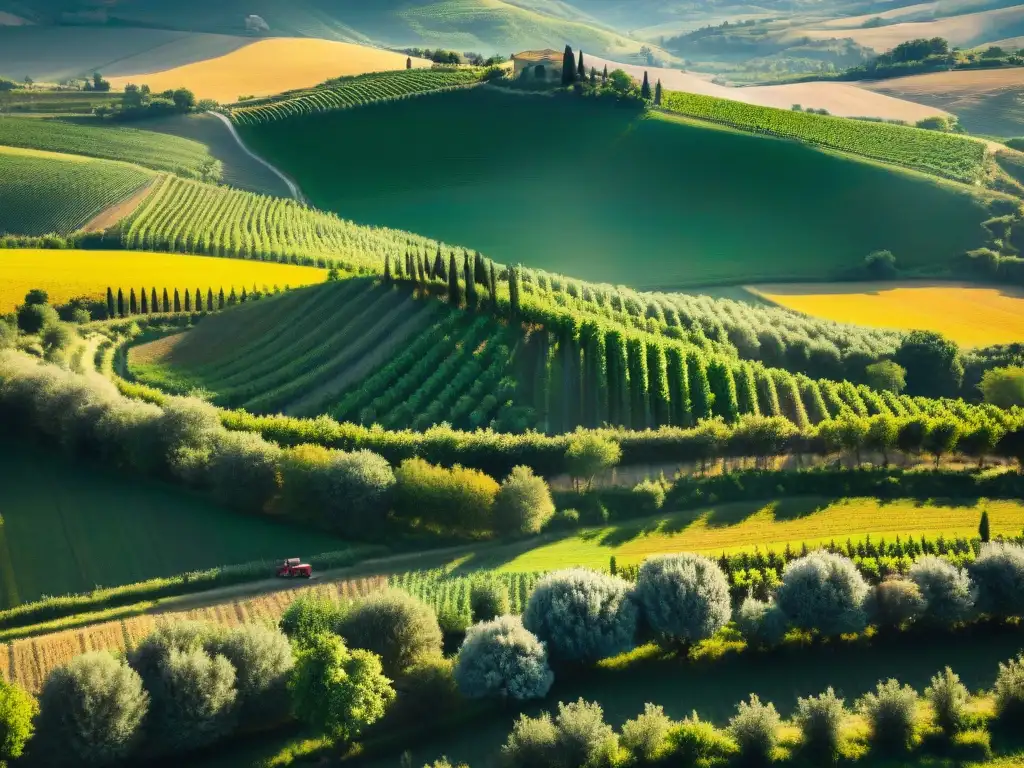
[112, 142]
[43, 192]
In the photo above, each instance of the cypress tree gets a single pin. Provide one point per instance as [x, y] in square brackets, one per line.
[408, 62]
[604, 75]
[568, 67]
[657, 93]
[421, 274]
[678, 387]
[387, 269]
[133, 305]
[636, 358]
[479, 269]
[470, 277]
[493, 287]
[700, 391]
[723, 390]
[767, 394]
[244, 296]
[645, 89]
[120, 303]
[425, 264]
[581, 71]
[983, 527]
[439, 270]
[199, 299]
[746, 391]
[167, 302]
[154, 305]
[513, 293]
[616, 357]
[454, 291]
[209, 299]
[177, 301]
[232, 297]
[144, 302]
[110, 302]
[188, 301]
[593, 76]
[659, 392]
[408, 264]
[220, 299]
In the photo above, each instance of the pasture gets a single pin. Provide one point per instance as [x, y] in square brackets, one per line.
[68, 273]
[744, 525]
[972, 316]
[267, 67]
[111, 142]
[651, 202]
[45, 192]
[69, 527]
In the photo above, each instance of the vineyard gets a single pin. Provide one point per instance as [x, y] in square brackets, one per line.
[67, 274]
[349, 92]
[949, 155]
[152, 150]
[44, 192]
[192, 217]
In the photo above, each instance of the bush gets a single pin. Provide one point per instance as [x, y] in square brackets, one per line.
[588, 454]
[649, 496]
[197, 699]
[502, 659]
[696, 743]
[823, 592]
[309, 615]
[243, 471]
[582, 737]
[644, 737]
[1009, 693]
[761, 623]
[424, 690]
[91, 712]
[457, 499]
[821, 721]
[946, 589]
[394, 625]
[523, 503]
[948, 698]
[17, 709]
[336, 691]
[891, 712]
[262, 658]
[683, 597]
[998, 574]
[581, 615]
[894, 603]
[531, 743]
[488, 600]
[33, 318]
[755, 729]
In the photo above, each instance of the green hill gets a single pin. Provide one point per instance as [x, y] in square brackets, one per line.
[608, 194]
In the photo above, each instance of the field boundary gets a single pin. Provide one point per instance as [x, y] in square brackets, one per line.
[117, 212]
[292, 186]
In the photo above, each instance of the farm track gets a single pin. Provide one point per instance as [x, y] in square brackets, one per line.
[293, 188]
[115, 213]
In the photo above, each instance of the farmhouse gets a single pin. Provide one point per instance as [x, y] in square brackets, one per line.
[528, 61]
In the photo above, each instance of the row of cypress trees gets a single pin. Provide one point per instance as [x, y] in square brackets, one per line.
[150, 302]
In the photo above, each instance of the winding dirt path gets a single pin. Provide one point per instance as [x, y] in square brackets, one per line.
[107, 218]
[292, 186]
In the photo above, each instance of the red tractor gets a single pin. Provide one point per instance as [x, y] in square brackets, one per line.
[293, 567]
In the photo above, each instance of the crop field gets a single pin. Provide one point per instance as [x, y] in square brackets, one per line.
[153, 150]
[354, 92]
[65, 274]
[44, 192]
[949, 155]
[742, 525]
[71, 103]
[474, 177]
[972, 316]
[310, 352]
[27, 662]
[267, 67]
[69, 528]
[987, 101]
[192, 217]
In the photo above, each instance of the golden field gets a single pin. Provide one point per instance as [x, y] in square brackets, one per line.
[27, 662]
[271, 66]
[972, 316]
[66, 274]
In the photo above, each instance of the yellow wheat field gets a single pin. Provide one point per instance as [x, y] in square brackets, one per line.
[65, 274]
[27, 662]
[973, 316]
[271, 66]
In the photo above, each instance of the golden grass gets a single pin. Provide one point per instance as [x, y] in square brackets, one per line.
[34, 658]
[742, 525]
[65, 274]
[973, 316]
[271, 66]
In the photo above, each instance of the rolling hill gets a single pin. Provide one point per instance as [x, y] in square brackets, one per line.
[477, 175]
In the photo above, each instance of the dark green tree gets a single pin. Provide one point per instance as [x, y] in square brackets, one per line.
[387, 269]
[209, 299]
[120, 303]
[220, 299]
[678, 387]
[243, 296]
[933, 364]
[513, 293]
[144, 302]
[645, 89]
[568, 67]
[479, 269]
[408, 62]
[177, 301]
[983, 527]
[470, 278]
[454, 289]
[657, 93]
[492, 285]
[154, 304]
[110, 302]
[439, 273]
[700, 390]
[581, 71]
[167, 302]
[188, 301]
[199, 300]
[723, 391]
[604, 75]
[232, 297]
[133, 305]
[593, 76]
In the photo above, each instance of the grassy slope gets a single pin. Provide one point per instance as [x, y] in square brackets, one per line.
[112, 142]
[47, 192]
[601, 194]
[69, 528]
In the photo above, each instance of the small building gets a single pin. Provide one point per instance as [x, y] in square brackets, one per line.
[528, 61]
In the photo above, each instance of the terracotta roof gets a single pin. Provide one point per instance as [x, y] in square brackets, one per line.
[545, 55]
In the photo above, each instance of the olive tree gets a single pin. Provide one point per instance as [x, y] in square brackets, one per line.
[684, 598]
[947, 590]
[998, 574]
[262, 658]
[503, 659]
[892, 714]
[824, 592]
[589, 454]
[243, 470]
[821, 719]
[17, 709]
[488, 599]
[91, 712]
[761, 623]
[523, 503]
[396, 626]
[583, 616]
[895, 603]
[197, 700]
